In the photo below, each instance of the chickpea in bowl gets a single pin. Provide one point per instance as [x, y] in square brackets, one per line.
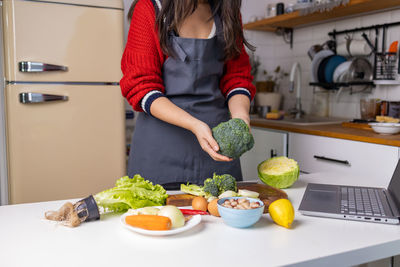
[240, 212]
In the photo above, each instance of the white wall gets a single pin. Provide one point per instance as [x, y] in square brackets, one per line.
[273, 51]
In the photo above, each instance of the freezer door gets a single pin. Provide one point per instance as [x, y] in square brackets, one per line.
[64, 141]
[50, 41]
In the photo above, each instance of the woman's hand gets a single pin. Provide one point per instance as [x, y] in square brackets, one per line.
[207, 141]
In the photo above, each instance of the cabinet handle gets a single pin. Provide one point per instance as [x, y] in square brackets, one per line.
[345, 162]
[273, 153]
[32, 98]
[28, 66]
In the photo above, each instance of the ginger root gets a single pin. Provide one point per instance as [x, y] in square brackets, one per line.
[66, 214]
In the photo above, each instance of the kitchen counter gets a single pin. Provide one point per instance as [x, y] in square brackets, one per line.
[27, 239]
[331, 130]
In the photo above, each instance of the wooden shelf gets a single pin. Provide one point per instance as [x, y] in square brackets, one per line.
[294, 19]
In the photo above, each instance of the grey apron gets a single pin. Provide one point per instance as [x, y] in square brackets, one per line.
[164, 153]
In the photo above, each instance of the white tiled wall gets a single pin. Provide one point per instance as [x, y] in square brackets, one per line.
[273, 51]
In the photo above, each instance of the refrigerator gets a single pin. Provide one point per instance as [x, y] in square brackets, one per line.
[63, 118]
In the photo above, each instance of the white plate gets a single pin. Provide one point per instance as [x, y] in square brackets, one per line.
[195, 220]
[316, 61]
[385, 127]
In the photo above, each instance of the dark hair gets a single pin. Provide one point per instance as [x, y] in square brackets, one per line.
[173, 13]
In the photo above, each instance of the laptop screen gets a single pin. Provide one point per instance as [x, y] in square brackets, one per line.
[394, 186]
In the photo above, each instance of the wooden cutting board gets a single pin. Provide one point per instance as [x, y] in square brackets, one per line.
[268, 194]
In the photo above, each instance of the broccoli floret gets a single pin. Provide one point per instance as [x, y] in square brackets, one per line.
[233, 137]
[225, 182]
[211, 187]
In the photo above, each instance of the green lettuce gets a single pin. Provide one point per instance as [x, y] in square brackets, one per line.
[131, 193]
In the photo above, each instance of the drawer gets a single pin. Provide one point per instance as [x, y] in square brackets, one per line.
[86, 40]
[324, 154]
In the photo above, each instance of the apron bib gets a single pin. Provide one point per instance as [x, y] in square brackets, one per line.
[164, 153]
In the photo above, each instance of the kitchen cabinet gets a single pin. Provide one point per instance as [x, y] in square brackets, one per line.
[324, 154]
[267, 144]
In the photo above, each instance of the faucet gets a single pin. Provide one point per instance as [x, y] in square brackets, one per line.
[296, 111]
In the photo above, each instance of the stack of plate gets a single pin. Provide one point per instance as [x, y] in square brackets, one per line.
[326, 67]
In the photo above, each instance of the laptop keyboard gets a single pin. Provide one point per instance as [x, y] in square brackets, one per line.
[361, 201]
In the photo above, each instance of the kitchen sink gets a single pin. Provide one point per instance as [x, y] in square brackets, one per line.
[307, 120]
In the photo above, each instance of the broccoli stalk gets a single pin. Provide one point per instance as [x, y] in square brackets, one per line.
[192, 189]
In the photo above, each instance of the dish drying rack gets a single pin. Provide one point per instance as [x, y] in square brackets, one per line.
[385, 64]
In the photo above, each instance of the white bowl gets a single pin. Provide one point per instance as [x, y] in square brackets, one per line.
[385, 127]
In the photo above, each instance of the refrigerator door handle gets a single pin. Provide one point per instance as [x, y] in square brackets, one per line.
[33, 98]
[29, 66]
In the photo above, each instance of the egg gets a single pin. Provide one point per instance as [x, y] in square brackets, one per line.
[199, 203]
[213, 208]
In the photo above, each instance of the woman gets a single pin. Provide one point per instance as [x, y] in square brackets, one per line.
[186, 68]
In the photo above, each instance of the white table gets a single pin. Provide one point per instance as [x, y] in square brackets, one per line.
[27, 239]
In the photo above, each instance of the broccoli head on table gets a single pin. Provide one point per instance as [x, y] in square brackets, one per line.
[211, 187]
[225, 182]
[233, 137]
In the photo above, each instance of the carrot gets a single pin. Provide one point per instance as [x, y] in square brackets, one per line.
[149, 222]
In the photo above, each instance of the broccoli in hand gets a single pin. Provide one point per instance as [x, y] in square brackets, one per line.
[233, 137]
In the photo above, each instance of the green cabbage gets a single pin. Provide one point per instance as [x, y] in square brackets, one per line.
[131, 193]
[279, 172]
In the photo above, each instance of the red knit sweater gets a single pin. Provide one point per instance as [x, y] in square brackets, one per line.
[143, 59]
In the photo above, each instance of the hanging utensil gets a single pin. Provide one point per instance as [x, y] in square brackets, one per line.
[369, 42]
[393, 47]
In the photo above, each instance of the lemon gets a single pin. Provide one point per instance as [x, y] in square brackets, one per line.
[282, 212]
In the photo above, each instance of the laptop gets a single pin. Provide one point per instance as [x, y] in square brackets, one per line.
[369, 204]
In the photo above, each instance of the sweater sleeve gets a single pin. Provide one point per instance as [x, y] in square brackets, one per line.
[142, 58]
[237, 78]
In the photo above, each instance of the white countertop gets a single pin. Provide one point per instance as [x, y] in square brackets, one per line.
[27, 239]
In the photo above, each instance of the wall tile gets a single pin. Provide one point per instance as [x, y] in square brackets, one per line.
[393, 93]
[321, 31]
[377, 18]
[302, 35]
[300, 49]
[348, 23]
[343, 110]
[395, 15]
[379, 92]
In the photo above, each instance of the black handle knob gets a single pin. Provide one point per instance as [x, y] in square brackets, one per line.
[345, 162]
